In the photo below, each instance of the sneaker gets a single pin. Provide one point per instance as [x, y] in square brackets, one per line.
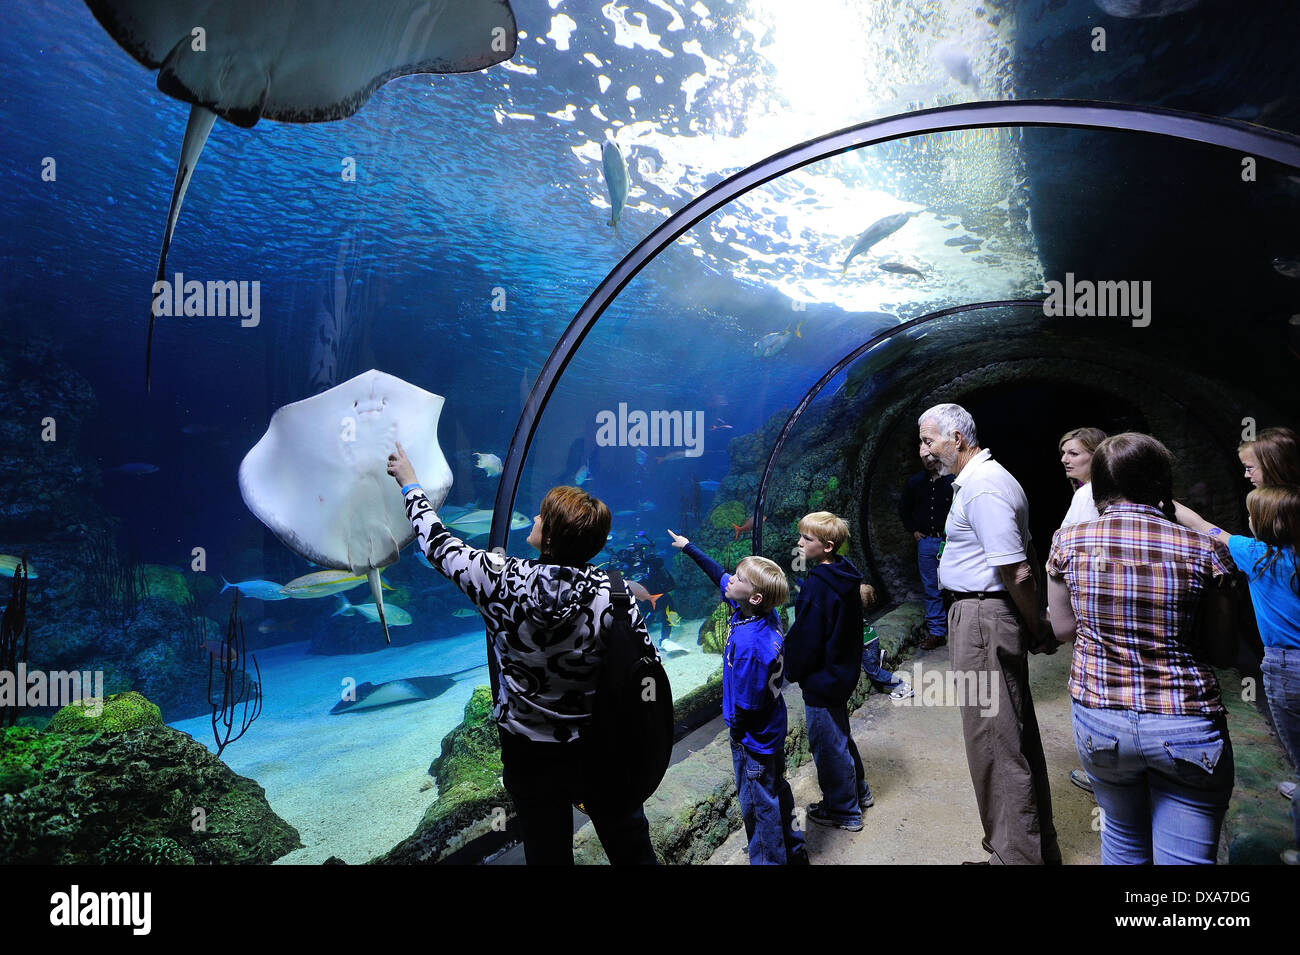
[816, 814]
[934, 641]
[902, 691]
[1291, 857]
[1080, 779]
[866, 802]
[1287, 789]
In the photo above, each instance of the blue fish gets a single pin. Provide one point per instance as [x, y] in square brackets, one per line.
[258, 589]
[709, 485]
[583, 476]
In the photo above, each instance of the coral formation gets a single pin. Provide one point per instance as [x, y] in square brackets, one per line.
[121, 712]
[727, 514]
[131, 848]
[71, 796]
[713, 632]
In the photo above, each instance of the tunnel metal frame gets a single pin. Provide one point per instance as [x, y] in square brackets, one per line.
[756, 537]
[1230, 134]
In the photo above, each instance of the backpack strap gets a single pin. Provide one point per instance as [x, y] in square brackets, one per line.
[618, 591]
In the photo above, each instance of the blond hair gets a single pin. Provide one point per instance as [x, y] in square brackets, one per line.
[768, 579]
[825, 526]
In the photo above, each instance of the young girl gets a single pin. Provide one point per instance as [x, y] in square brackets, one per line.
[1269, 561]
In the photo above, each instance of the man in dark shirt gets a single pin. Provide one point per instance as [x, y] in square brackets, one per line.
[927, 496]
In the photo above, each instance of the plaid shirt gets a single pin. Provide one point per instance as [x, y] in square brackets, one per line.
[1136, 580]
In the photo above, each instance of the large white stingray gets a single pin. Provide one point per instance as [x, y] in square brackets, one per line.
[318, 478]
[306, 61]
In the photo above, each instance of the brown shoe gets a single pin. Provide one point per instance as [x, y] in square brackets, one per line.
[933, 642]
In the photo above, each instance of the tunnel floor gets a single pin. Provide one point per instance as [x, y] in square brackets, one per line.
[924, 812]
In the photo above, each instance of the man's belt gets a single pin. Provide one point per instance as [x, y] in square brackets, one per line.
[952, 596]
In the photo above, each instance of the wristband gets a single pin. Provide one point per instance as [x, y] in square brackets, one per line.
[408, 487]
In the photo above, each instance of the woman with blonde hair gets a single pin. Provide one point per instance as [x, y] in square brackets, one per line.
[1077, 448]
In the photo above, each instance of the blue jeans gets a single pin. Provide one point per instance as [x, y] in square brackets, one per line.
[927, 561]
[767, 807]
[1282, 688]
[882, 679]
[839, 767]
[1162, 782]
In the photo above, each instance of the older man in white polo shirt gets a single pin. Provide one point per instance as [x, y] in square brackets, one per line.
[986, 572]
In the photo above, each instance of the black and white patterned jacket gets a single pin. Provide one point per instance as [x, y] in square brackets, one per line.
[542, 619]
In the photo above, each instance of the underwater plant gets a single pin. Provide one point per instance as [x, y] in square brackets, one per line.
[13, 626]
[117, 584]
[237, 688]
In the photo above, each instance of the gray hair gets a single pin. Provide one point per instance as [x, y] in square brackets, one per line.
[949, 418]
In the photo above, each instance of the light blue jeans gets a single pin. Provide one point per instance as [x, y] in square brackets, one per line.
[1281, 669]
[1162, 782]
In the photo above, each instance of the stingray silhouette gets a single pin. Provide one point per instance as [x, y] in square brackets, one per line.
[311, 61]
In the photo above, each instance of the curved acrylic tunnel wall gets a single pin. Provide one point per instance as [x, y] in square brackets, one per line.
[1160, 324]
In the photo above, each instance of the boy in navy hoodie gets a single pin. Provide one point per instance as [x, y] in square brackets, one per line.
[823, 654]
[752, 705]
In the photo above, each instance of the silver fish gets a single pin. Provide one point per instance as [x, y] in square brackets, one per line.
[611, 158]
[875, 232]
[773, 342]
[898, 268]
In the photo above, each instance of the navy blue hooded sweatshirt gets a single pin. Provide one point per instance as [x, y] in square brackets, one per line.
[823, 650]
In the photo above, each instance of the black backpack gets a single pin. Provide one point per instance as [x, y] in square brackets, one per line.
[630, 739]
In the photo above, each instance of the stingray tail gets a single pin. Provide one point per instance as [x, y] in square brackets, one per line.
[196, 136]
[379, 601]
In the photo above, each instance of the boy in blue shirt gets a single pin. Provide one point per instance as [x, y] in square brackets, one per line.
[823, 655]
[752, 705]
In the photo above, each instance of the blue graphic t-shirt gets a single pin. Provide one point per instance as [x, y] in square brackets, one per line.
[753, 670]
[1277, 605]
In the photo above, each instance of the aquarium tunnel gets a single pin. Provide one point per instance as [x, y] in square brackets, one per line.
[1067, 235]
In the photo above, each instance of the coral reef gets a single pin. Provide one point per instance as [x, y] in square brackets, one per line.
[713, 631]
[121, 712]
[726, 514]
[468, 772]
[71, 797]
[167, 583]
[131, 848]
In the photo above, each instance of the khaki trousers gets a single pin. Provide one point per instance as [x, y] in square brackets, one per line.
[989, 648]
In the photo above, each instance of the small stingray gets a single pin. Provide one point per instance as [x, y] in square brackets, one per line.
[372, 696]
[319, 476]
[310, 61]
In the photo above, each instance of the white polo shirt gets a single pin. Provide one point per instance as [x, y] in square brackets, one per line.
[988, 526]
